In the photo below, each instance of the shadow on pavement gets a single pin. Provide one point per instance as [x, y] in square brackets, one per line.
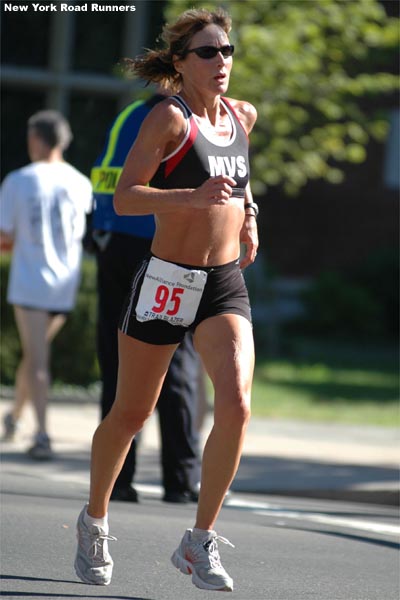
[21, 578]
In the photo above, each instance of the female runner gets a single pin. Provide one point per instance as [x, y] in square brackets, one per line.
[189, 167]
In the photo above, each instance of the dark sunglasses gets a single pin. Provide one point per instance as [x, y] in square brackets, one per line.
[212, 51]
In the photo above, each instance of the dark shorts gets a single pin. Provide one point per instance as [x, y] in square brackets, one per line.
[225, 292]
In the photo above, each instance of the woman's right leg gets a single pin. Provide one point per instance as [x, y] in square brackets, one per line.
[141, 372]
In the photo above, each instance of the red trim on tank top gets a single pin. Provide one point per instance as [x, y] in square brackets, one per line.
[172, 162]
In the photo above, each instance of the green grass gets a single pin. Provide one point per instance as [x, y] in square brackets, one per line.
[322, 381]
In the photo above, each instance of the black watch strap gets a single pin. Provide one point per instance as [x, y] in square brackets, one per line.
[253, 206]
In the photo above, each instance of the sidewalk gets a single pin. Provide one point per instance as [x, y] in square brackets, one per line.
[280, 457]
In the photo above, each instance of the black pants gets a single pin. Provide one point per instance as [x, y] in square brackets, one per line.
[177, 404]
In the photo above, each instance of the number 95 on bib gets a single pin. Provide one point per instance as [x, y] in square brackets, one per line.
[170, 293]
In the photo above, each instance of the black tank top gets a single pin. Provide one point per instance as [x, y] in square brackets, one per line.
[197, 158]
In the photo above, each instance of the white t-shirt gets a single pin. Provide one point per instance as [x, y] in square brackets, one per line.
[43, 205]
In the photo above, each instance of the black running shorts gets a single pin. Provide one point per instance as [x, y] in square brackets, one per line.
[225, 292]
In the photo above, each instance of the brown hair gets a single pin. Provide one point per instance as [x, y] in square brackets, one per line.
[157, 66]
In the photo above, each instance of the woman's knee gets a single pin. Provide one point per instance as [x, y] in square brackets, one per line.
[233, 414]
[129, 419]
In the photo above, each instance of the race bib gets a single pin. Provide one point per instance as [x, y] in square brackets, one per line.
[170, 293]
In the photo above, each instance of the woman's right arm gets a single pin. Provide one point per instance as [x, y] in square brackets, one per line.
[161, 132]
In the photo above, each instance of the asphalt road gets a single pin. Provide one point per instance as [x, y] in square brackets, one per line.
[285, 549]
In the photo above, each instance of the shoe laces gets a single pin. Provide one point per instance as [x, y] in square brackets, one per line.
[96, 548]
[211, 547]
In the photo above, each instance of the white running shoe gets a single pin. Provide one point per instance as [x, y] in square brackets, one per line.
[201, 560]
[93, 563]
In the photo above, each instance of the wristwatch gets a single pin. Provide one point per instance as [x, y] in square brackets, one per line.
[254, 206]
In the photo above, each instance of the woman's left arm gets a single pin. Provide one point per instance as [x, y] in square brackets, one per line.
[249, 232]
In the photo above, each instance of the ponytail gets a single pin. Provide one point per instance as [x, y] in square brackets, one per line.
[155, 66]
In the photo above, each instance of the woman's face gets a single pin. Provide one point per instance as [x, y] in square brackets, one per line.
[210, 73]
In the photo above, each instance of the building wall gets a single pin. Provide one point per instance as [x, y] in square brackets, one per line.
[67, 61]
[332, 227]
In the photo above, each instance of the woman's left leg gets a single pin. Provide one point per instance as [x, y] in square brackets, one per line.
[225, 343]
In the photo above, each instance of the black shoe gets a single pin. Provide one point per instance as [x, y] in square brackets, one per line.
[177, 497]
[125, 494]
[194, 495]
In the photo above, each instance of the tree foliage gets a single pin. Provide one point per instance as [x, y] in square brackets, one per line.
[321, 74]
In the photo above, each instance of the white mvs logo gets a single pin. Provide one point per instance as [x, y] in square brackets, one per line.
[227, 165]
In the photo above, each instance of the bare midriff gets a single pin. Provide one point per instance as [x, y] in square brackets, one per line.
[200, 237]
